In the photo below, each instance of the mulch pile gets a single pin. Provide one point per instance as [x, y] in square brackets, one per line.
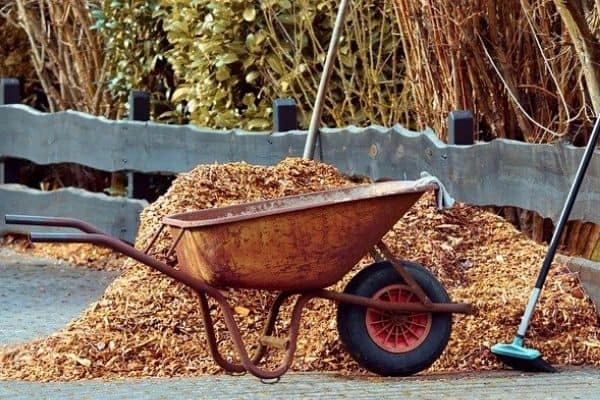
[148, 325]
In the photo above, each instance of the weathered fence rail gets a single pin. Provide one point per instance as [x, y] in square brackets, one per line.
[501, 172]
[118, 216]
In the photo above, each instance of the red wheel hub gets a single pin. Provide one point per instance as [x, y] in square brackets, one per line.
[397, 332]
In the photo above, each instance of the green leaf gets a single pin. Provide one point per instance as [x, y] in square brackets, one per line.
[256, 124]
[248, 99]
[97, 14]
[249, 14]
[284, 4]
[180, 94]
[226, 59]
[251, 77]
[222, 74]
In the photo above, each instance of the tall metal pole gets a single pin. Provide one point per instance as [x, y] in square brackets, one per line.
[313, 130]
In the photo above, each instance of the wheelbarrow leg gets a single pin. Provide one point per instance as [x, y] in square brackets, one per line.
[201, 287]
[248, 363]
[212, 341]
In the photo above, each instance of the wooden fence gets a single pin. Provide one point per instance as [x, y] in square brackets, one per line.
[500, 172]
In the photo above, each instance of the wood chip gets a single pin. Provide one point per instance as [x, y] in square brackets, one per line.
[82, 361]
[243, 311]
[146, 324]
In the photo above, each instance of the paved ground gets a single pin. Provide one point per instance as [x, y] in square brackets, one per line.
[38, 296]
[578, 384]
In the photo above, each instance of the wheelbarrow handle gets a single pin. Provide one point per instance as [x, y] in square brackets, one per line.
[39, 237]
[130, 251]
[35, 220]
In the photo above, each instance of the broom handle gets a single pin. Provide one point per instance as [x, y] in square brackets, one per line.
[560, 227]
[315, 121]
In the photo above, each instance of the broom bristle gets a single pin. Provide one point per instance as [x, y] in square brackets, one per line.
[535, 365]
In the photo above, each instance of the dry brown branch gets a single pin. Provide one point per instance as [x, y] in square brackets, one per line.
[15, 56]
[509, 62]
[527, 69]
[586, 45]
[366, 86]
[66, 54]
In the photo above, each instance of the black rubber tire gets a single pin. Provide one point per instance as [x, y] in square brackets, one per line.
[353, 330]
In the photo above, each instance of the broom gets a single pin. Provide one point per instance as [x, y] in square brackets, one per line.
[515, 354]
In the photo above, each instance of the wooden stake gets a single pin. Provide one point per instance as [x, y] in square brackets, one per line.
[592, 242]
[537, 228]
[573, 237]
[584, 237]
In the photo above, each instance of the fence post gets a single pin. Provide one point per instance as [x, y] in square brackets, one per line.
[284, 115]
[460, 127]
[139, 105]
[10, 93]
[139, 110]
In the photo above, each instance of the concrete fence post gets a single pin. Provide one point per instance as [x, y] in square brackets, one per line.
[460, 127]
[139, 110]
[10, 93]
[284, 115]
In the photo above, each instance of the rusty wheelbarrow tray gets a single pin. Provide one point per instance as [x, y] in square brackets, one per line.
[299, 245]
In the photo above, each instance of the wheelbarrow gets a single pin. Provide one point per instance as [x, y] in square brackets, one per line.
[394, 317]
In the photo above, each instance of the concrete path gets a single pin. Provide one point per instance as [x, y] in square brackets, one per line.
[574, 384]
[39, 296]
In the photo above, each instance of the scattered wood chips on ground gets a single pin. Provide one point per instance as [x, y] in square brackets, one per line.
[80, 254]
[149, 325]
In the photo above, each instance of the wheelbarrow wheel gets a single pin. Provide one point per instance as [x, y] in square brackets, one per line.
[393, 344]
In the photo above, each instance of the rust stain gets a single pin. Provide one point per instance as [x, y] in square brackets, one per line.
[303, 245]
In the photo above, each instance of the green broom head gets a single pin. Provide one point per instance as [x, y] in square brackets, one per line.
[521, 358]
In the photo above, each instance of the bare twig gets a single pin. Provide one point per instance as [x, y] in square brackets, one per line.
[512, 95]
[66, 54]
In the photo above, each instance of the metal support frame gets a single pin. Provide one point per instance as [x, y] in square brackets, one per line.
[404, 274]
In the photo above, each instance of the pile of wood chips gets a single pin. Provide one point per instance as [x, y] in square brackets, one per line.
[149, 325]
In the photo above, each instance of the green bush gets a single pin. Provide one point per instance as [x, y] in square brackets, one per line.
[231, 58]
[135, 45]
[216, 59]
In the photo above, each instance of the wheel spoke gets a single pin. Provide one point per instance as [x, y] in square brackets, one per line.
[416, 335]
[404, 336]
[389, 334]
[418, 324]
[397, 332]
[400, 296]
[391, 295]
[383, 329]
[385, 294]
[379, 321]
